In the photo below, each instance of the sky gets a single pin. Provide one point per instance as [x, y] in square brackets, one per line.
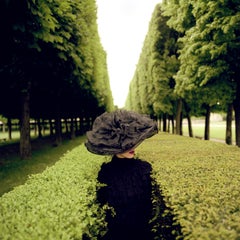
[122, 26]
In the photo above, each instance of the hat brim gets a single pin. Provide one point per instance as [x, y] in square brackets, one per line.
[118, 132]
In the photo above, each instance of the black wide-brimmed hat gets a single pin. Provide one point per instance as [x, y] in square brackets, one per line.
[119, 131]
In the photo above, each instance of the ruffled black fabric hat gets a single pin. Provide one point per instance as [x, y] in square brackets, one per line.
[119, 131]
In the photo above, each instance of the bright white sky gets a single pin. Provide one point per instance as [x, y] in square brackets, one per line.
[123, 25]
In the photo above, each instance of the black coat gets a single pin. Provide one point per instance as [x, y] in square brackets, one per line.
[128, 190]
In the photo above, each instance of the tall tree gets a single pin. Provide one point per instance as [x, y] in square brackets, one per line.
[52, 48]
[155, 69]
[208, 63]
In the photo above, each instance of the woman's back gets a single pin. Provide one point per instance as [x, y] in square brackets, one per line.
[128, 191]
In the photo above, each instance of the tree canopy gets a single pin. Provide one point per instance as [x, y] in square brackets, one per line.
[52, 60]
[190, 55]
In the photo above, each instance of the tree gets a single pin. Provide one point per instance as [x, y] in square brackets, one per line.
[155, 69]
[208, 63]
[52, 49]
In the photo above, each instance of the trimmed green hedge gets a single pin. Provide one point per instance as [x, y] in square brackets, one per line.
[56, 204]
[200, 181]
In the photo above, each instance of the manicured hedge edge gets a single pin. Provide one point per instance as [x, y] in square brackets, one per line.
[200, 181]
[59, 203]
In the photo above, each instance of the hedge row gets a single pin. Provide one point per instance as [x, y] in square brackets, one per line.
[56, 204]
[200, 181]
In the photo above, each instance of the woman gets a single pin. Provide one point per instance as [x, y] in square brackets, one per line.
[128, 183]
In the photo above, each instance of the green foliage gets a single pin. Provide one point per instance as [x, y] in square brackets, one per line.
[59, 203]
[200, 182]
[180, 12]
[152, 87]
[190, 54]
[207, 64]
[54, 47]
[15, 172]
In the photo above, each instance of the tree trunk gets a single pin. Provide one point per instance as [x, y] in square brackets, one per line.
[159, 122]
[207, 123]
[237, 114]
[39, 124]
[172, 122]
[58, 131]
[81, 125]
[164, 122]
[25, 143]
[168, 124]
[228, 138]
[181, 124]
[187, 110]
[66, 126]
[178, 116]
[35, 127]
[72, 128]
[9, 124]
[190, 130]
[51, 128]
[43, 127]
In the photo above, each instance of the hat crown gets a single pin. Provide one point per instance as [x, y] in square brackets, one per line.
[119, 131]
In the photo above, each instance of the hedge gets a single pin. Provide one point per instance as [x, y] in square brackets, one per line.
[200, 182]
[56, 204]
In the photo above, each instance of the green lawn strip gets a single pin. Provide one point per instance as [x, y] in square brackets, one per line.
[217, 130]
[15, 171]
[59, 203]
[200, 181]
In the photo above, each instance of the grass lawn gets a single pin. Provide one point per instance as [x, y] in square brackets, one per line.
[217, 130]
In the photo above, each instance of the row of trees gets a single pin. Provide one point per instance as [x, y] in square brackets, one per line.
[189, 64]
[52, 64]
